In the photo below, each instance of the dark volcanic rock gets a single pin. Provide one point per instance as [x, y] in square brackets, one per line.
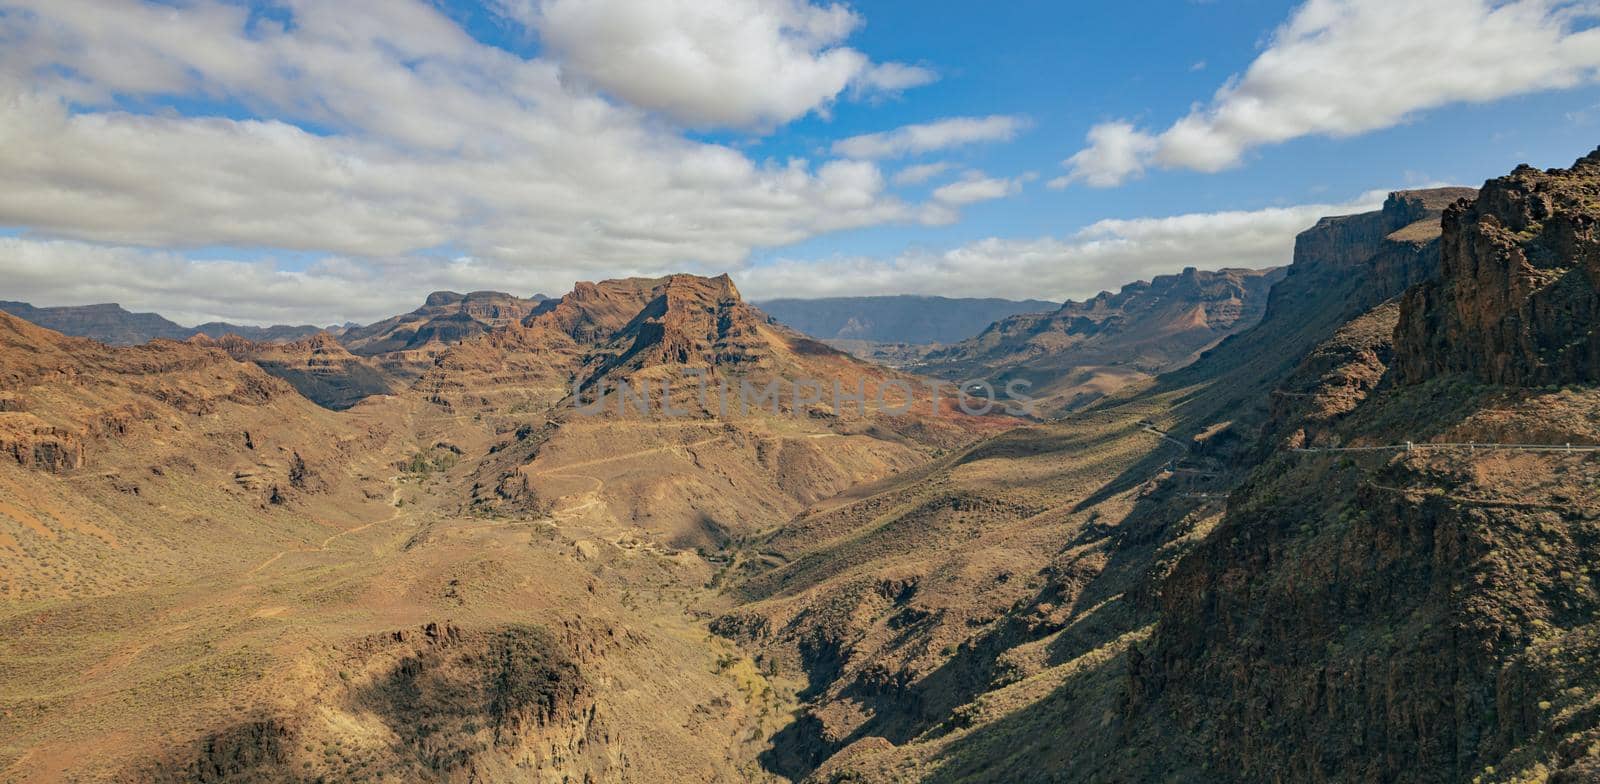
[1518, 299]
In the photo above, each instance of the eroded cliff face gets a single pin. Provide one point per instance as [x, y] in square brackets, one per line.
[1518, 300]
[1389, 616]
[1422, 628]
[1409, 616]
[1375, 254]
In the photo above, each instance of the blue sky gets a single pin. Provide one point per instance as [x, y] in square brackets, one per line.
[302, 161]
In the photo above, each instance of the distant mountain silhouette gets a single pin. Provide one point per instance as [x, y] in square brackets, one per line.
[1082, 351]
[112, 324]
[897, 319]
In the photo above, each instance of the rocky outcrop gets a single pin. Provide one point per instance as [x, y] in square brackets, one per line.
[1518, 298]
[593, 312]
[1382, 253]
[689, 321]
[466, 703]
[34, 444]
[318, 368]
[1331, 381]
[445, 318]
[456, 705]
[1343, 267]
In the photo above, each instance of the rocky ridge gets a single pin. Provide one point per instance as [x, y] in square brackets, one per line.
[1085, 350]
[1405, 616]
[1518, 302]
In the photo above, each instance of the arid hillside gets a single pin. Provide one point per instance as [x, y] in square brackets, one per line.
[208, 577]
[512, 569]
[1271, 590]
[317, 367]
[730, 419]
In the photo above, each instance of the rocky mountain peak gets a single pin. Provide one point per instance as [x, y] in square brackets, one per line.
[445, 318]
[439, 299]
[691, 320]
[1517, 301]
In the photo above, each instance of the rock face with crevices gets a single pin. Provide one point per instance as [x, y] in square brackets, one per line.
[1518, 299]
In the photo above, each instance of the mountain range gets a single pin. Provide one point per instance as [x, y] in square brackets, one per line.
[899, 319]
[1083, 351]
[1167, 587]
[1332, 522]
[111, 323]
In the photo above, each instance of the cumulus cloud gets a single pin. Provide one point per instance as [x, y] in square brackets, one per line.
[1116, 152]
[1346, 67]
[1103, 256]
[920, 173]
[975, 186]
[330, 289]
[890, 78]
[928, 137]
[729, 63]
[379, 131]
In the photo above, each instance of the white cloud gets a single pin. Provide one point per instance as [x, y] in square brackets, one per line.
[895, 77]
[928, 137]
[1116, 152]
[332, 289]
[421, 139]
[1103, 256]
[974, 187]
[728, 63]
[920, 173]
[1346, 67]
